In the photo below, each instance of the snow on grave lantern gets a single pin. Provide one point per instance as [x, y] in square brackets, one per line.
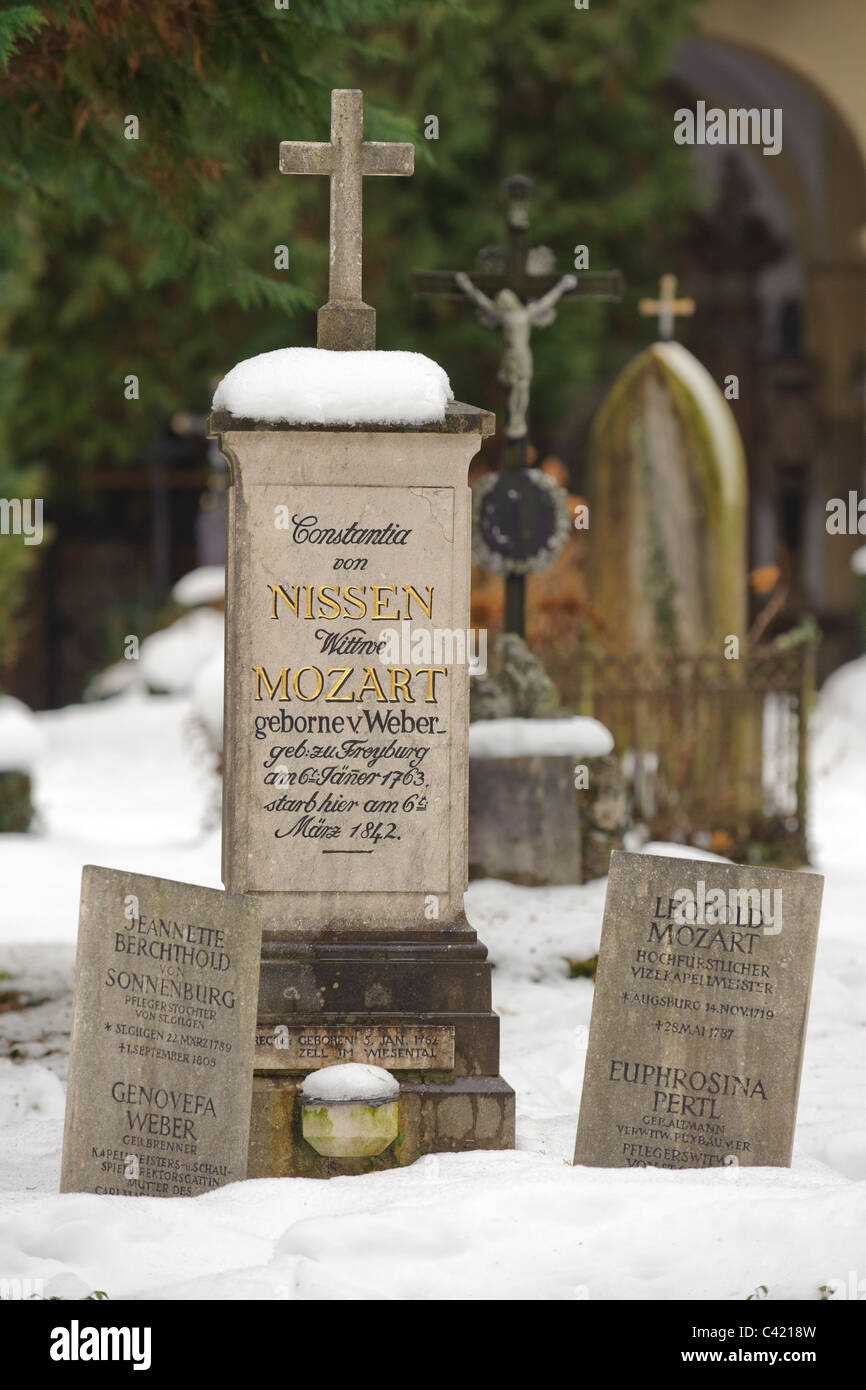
[350, 1111]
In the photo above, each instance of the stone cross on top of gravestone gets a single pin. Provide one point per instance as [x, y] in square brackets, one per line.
[667, 306]
[342, 934]
[345, 776]
[346, 323]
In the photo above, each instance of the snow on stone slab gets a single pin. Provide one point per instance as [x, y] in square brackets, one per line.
[20, 736]
[668, 849]
[578, 737]
[206, 584]
[354, 1081]
[171, 659]
[299, 386]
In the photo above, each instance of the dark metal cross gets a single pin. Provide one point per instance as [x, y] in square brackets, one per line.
[530, 274]
[514, 270]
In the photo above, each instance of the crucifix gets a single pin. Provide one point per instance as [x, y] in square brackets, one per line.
[667, 306]
[516, 321]
[526, 289]
[518, 290]
[346, 323]
[527, 271]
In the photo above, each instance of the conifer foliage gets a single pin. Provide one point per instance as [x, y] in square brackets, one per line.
[141, 208]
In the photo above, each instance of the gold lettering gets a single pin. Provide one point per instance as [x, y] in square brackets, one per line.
[329, 602]
[377, 614]
[325, 597]
[402, 684]
[261, 676]
[346, 672]
[278, 589]
[371, 682]
[296, 682]
[411, 592]
[432, 673]
[360, 603]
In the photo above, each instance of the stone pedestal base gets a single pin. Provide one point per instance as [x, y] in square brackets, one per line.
[343, 325]
[524, 822]
[529, 825]
[434, 1117]
[418, 1006]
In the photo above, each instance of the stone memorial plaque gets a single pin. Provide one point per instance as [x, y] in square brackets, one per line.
[699, 1016]
[344, 707]
[163, 1035]
[399, 1046]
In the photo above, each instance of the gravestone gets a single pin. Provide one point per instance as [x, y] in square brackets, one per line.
[667, 531]
[699, 1015]
[345, 784]
[160, 1071]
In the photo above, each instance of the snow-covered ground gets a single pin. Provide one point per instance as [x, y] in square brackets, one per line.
[129, 784]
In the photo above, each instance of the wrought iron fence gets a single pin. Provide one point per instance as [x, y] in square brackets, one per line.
[713, 750]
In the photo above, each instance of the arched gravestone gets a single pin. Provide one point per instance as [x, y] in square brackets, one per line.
[667, 532]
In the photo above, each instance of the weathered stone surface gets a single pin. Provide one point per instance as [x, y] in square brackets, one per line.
[386, 844]
[596, 848]
[520, 688]
[697, 1032]
[523, 820]
[346, 327]
[605, 815]
[345, 323]
[459, 419]
[166, 983]
[439, 983]
[447, 1117]
[397, 1046]
[668, 494]
[383, 978]
[342, 1130]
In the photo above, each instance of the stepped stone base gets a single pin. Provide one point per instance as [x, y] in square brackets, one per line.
[329, 993]
[434, 1117]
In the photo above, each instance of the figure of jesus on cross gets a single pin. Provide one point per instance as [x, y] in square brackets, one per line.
[516, 321]
[517, 290]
